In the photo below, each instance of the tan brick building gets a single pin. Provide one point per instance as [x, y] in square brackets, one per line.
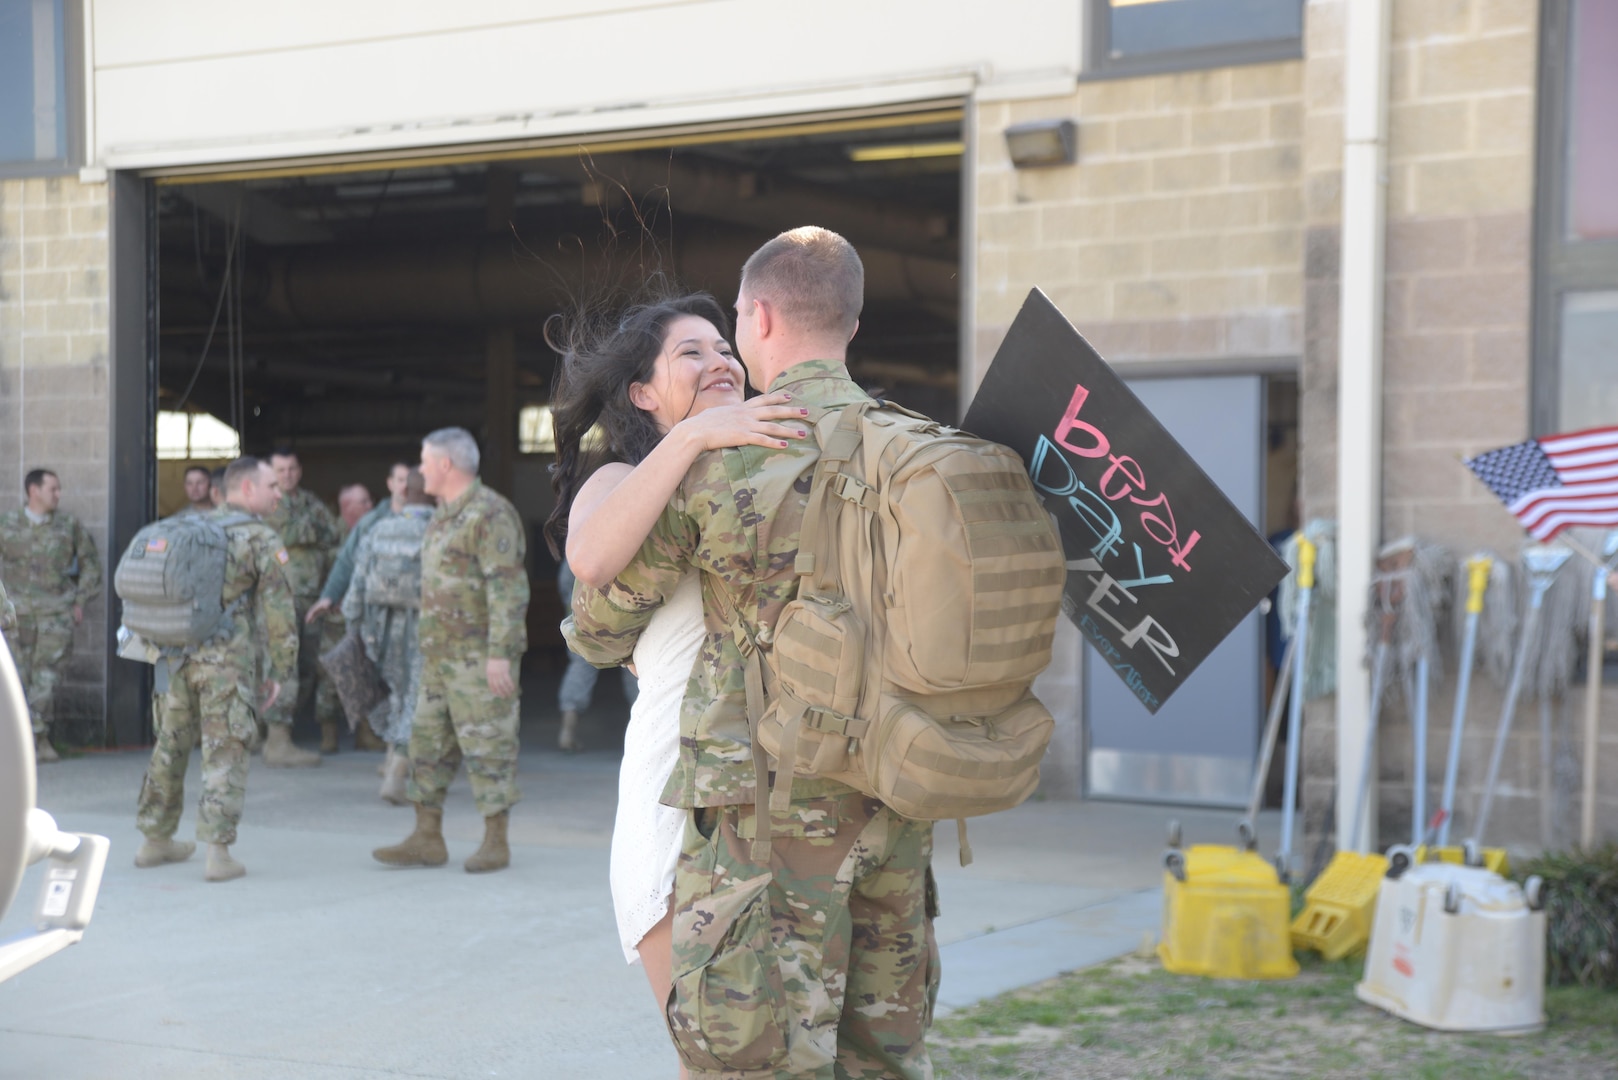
[1197, 234]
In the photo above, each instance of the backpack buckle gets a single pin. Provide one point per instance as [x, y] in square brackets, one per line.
[833, 723]
[855, 491]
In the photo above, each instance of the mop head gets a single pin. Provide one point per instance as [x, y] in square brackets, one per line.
[1497, 622]
[1320, 663]
[1409, 606]
[1562, 620]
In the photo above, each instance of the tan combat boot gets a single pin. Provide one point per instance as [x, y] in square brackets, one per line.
[423, 847]
[393, 784]
[493, 853]
[366, 739]
[44, 752]
[328, 736]
[221, 867]
[156, 852]
[568, 739]
[279, 752]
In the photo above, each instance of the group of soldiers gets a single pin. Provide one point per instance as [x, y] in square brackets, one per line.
[437, 598]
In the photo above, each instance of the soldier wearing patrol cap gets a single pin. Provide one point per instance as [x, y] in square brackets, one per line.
[51, 565]
[472, 633]
[214, 693]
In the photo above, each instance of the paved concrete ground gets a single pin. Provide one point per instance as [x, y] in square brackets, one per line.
[323, 964]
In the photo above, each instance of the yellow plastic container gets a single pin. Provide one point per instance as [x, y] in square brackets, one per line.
[1494, 859]
[1226, 918]
[1340, 906]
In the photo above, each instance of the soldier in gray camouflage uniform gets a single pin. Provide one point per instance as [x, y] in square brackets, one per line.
[214, 692]
[822, 961]
[309, 531]
[55, 573]
[472, 635]
[387, 625]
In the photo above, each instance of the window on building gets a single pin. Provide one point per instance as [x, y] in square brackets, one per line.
[1132, 37]
[34, 106]
[192, 436]
[1576, 284]
[536, 430]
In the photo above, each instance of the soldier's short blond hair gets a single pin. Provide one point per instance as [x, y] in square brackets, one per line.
[812, 277]
[458, 445]
[243, 468]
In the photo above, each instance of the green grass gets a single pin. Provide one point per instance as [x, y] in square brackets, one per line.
[1130, 1018]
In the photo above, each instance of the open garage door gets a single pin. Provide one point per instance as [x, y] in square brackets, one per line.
[347, 308]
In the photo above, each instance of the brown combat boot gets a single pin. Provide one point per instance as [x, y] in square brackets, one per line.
[568, 738]
[155, 852]
[393, 784]
[493, 853]
[423, 847]
[366, 739]
[328, 736]
[279, 753]
[44, 752]
[221, 867]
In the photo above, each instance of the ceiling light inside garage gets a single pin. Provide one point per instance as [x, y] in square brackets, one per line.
[906, 151]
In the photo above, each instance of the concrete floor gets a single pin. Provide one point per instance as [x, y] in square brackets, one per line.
[323, 964]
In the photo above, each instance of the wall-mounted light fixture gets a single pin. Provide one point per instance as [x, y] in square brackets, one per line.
[1043, 142]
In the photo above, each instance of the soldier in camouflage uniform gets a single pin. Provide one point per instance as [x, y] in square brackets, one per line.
[51, 562]
[213, 690]
[309, 532]
[387, 627]
[472, 635]
[8, 613]
[821, 961]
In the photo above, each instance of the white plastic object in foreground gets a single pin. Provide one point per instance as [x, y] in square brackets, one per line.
[1457, 948]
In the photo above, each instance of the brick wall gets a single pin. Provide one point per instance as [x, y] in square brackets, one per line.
[1178, 235]
[53, 382]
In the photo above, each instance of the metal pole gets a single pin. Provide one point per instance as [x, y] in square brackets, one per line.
[1289, 796]
[1592, 705]
[1418, 726]
[1379, 672]
[1477, 568]
[1272, 728]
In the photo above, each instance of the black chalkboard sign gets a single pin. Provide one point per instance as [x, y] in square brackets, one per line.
[1161, 566]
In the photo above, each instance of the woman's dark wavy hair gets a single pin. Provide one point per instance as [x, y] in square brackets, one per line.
[601, 356]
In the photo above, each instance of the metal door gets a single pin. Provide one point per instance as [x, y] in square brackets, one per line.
[1200, 746]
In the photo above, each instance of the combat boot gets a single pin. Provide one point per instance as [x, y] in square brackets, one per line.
[157, 852]
[279, 752]
[328, 736]
[366, 739]
[393, 784]
[568, 739]
[44, 752]
[423, 847]
[494, 853]
[221, 867]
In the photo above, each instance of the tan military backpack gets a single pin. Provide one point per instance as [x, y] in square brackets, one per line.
[931, 581]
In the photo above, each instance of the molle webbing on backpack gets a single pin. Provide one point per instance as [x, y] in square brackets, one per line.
[931, 579]
[171, 580]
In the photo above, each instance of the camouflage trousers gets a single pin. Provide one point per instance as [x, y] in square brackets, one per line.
[307, 682]
[457, 718]
[822, 964]
[204, 702]
[41, 647]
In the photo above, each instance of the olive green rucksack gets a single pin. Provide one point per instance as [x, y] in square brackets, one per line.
[931, 579]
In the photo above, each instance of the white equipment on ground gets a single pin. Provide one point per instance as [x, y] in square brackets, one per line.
[1457, 948]
[28, 834]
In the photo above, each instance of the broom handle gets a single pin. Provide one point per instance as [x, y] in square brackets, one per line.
[1530, 631]
[1289, 798]
[1592, 705]
[1272, 728]
[1418, 794]
[1477, 569]
[1379, 672]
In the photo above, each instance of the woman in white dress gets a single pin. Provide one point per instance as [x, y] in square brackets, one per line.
[662, 384]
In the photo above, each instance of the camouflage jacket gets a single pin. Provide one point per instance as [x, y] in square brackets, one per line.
[474, 579]
[8, 614]
[736, 517]
[255, 574]
[50, 567]
[309, 531]
[342, 567]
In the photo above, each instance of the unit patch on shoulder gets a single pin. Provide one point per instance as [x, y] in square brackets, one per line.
[281, 556]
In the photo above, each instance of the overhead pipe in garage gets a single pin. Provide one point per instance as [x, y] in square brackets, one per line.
[494, 279]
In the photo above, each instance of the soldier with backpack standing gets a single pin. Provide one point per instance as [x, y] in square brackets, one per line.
[811, 954]
[213, 692]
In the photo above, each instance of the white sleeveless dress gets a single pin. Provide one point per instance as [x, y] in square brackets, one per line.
[646, 835]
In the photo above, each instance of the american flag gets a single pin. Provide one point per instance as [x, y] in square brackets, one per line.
[1555, 482]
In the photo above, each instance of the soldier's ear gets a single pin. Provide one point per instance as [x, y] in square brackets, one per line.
[641, 396]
